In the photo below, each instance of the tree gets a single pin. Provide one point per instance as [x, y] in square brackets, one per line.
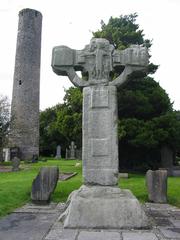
[4, 121]
[62, 124]
[123, 32]
[146, 117]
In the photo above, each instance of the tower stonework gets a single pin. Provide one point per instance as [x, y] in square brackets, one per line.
[25, 99]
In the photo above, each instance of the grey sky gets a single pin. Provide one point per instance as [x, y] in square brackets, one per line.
[71, 23]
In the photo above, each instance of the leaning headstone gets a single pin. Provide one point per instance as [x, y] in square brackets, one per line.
[100, 203]
[15, 164]
[44, 185]
[58, 152]
[156, 182]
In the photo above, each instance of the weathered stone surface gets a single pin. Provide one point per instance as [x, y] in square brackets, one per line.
[85, 235]
[25, 97]
[139, 236]
[156, 182]
[26, 226]
[103, 207]
[15, 164]
[100, 140]
[44, 184]
[171, 232]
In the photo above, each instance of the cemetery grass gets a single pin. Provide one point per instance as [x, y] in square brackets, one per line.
[15, 187]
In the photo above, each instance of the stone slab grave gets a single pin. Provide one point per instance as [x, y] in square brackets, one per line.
[123, 175]
[99, 203]
[5, 168]
[66, 175]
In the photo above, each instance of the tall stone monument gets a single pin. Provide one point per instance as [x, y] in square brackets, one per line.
[25, 97]
[100, 203]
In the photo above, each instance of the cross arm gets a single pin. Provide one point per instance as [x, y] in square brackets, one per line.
[134, 58]
[64, 64]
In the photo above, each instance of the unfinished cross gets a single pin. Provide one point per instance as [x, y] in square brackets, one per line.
[97, 61]
[99, 203]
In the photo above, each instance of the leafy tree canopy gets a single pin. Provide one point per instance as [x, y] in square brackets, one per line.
[146, 117]
[62, 124]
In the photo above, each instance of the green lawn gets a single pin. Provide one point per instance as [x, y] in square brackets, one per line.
[15, 187]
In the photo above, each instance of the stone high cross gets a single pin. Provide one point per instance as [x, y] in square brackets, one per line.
[100, 203]
[97, 61]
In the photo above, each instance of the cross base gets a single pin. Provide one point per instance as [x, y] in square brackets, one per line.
[104, 207]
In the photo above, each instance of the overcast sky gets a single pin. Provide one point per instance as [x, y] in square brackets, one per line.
[71, 23]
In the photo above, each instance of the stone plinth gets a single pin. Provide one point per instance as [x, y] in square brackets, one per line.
[156, 182]
[100, 141]
[104, 207]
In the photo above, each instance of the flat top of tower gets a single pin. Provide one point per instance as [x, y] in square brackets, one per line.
[29, 11]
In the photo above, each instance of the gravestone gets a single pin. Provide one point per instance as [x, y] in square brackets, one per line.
[58, 152]
[72, 149]
[6, 154]
[100, 203]
[67, 153]
[156, 182]
[71, 152]
[44, 185]
[15, 164]
[14, 152]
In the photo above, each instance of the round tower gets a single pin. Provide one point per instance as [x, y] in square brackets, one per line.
[24, 132]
